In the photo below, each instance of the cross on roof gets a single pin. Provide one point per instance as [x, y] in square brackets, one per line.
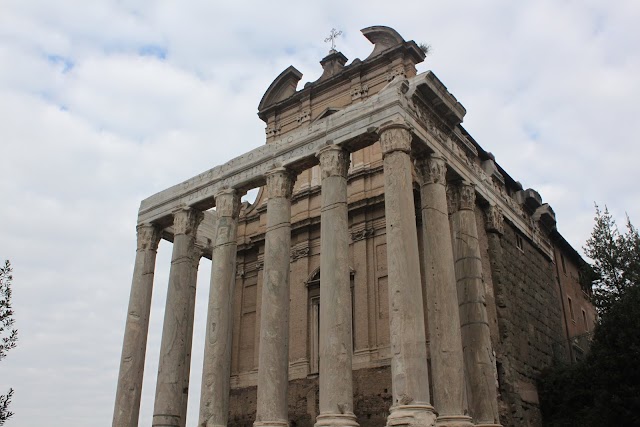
[332, 38]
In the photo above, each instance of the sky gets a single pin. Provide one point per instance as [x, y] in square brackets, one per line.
[104, 103]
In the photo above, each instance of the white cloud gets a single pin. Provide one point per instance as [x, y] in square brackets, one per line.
[105, 103]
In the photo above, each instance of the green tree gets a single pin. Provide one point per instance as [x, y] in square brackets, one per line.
[8, 335]
[604, 388]
[616, 259]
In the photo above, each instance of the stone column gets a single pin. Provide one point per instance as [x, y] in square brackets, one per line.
[127, 406]
[447, 362]
[216, 369]
[173, 369]
[494, 226]
[273, 366]
[336, 352]
[409, 372]
[476, 338]
[197, 254]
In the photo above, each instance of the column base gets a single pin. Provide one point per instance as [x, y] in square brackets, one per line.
[454, 421]
[270, 424]
[336, 420]
[412, 416]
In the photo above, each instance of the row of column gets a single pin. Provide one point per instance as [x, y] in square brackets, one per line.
[460, 344]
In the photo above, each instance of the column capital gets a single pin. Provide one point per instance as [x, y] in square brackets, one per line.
[280, 182]
[495, 220]
[433, 169]
[334, 161]
[395, 137]
[228, 203]
[148, 236]
[186, 221]
[462, 196]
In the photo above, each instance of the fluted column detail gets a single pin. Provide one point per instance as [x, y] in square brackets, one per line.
[127, 406]
[409, 373]
[175, 352]
[273, 366]
[216, 369]
[336, 352]
[447, 362]
[474, 323]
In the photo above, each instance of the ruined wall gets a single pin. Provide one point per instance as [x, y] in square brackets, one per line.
[372, 399]
[530, 322]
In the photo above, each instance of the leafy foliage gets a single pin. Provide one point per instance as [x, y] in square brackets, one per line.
[9, 336]
[616, 259]
[604, 388]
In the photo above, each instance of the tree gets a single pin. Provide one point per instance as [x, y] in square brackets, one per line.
[8, 335]
[616, 259]
[604, 388]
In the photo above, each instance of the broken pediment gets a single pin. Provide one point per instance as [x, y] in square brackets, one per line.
[282, 87]
[382, 37]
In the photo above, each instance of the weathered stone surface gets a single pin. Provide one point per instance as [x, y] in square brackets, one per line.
[476, 335]
[127, 406]
[175, 351]
[216, 370]
[273, 378]
[410, 377]
[348, 110]
[372, 398]
[336, 386]
[447, 363]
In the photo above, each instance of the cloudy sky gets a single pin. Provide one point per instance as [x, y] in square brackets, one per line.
[105, 102]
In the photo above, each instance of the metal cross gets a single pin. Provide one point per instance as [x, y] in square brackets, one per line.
[332, 38]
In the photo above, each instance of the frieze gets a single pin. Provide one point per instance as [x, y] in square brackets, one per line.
[272, 131]
[303, 116]
[359, 91]
[363, 234]
[396, 72]
[299, 252]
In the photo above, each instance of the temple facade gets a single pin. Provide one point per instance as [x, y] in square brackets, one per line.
[389, 272]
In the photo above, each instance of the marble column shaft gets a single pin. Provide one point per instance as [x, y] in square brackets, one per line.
[409, 372]
[474, 323]
[174, 366]
[273, 367]
[216, 369]
[127, 405]
[336, 352]
[447, 362]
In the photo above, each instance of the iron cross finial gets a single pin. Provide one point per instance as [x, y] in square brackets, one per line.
[332, 38]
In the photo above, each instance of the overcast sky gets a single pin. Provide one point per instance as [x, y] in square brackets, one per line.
[105, 102]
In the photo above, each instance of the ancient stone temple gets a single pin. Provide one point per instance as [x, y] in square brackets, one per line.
[390, 272]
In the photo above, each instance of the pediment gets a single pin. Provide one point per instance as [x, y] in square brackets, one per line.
[283, 87]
